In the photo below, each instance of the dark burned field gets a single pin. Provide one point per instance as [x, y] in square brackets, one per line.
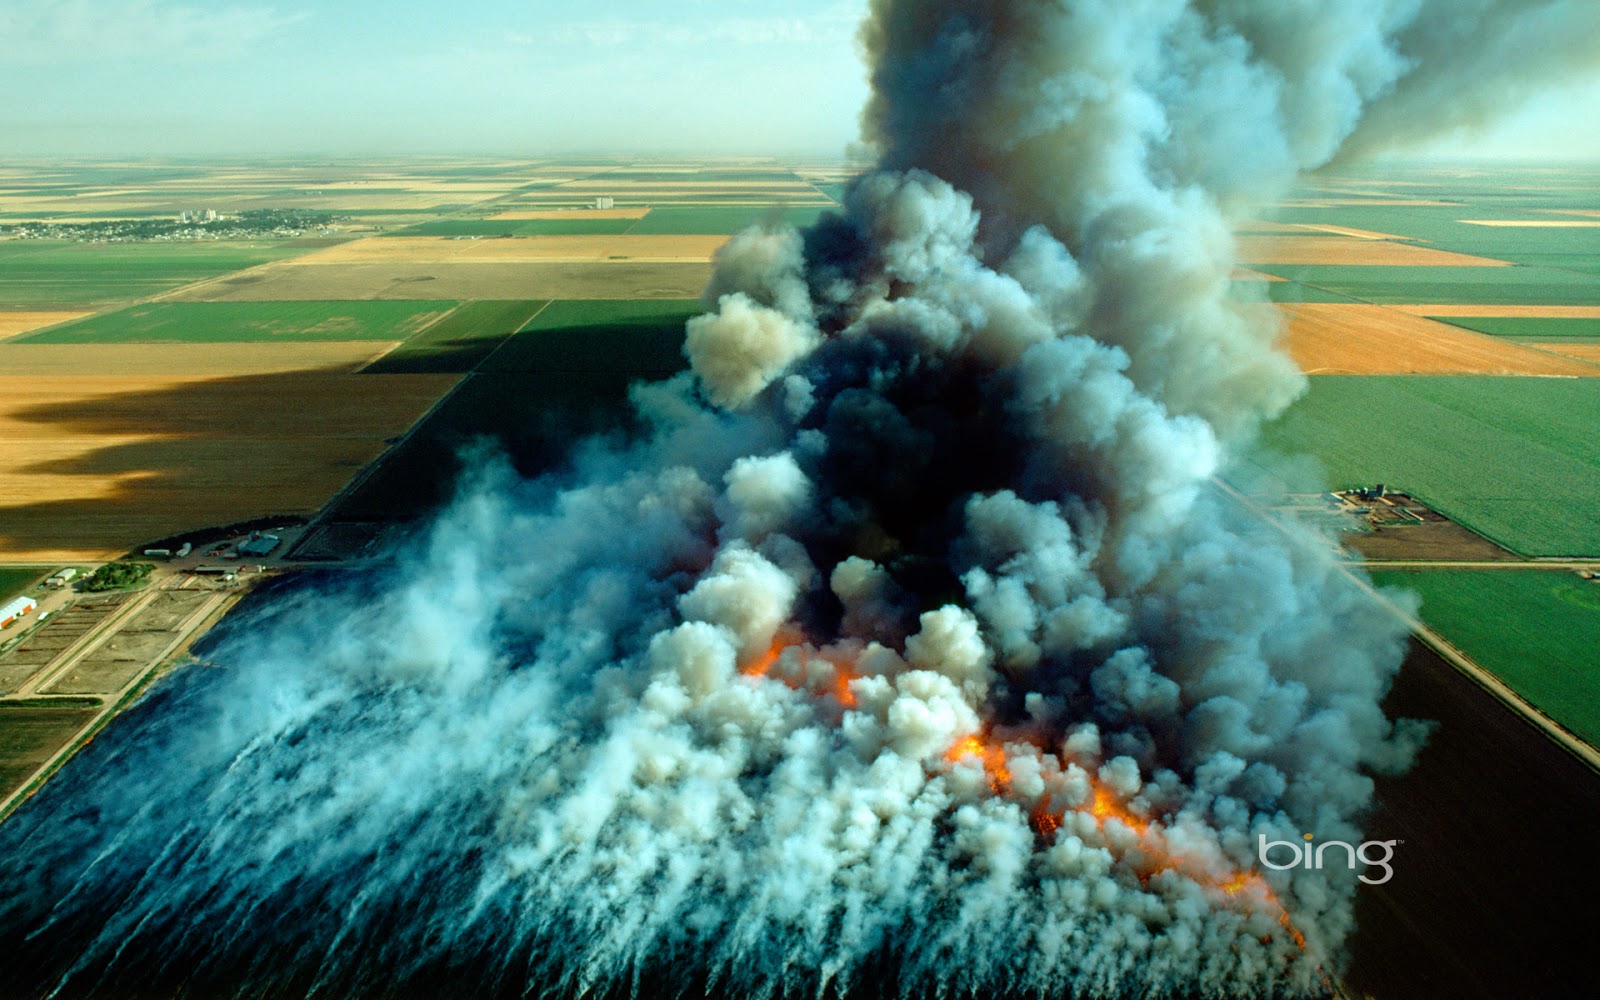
[1496, 884]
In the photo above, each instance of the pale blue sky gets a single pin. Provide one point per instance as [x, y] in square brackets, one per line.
[121, 77]
[203, 77]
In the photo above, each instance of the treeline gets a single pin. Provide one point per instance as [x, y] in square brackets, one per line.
[118, 576]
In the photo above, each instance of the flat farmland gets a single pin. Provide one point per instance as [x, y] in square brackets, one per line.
[1358, 339]
[595, 249]
[32, 732]
[16, 579]
[189, 359]
[229, 322]
[1350, 250]
[1520, 311]
[460, 281]
[723, 220]
[1515, 459]
[1548, 330]
[1537, 631]
[1589, 351]
[65, 276]
[460, 341]
[518, 225]
[1478, 286]
[562, 377]
[94, 465]
[570, 215]
[13, 323]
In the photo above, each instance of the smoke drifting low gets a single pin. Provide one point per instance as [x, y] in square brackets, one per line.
[910, 650]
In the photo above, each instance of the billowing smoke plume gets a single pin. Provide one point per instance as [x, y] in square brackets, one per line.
[911, 649]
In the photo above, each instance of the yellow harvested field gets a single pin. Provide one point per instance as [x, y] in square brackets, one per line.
[1243, 274]
[1297, 250]
[1535, 223]
[575, 213]
[91, 466]
[1504, 312]
[13, 323]
[1360, 234]
[1359, 339]
[1587, 352]
[190, 359]
[524, 249]
[1262, 227]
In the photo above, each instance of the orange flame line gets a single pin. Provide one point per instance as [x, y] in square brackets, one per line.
[1103, 805]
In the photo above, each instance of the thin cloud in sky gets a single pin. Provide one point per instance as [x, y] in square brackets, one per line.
[58, 31]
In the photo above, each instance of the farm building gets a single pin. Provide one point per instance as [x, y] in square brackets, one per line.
[16, 609]
[258, 545]
[60, 580]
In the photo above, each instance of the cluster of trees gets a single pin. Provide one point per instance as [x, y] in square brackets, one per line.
[118, 576]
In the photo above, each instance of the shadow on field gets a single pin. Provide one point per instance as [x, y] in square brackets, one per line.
[198, 453]
[140, 464]
[1496, 891]
[532, 399]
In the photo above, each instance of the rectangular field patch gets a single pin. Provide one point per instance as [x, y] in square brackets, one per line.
[269, 322]
[1357, 339]
[189, 359]
[92, 466]
[460, 341]
[1350, 250]
[14, 323]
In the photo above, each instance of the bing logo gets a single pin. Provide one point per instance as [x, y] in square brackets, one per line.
[1308, 856]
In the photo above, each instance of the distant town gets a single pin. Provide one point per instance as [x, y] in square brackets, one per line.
[195, 224]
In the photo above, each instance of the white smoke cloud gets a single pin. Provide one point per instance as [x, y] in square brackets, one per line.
[911, 649]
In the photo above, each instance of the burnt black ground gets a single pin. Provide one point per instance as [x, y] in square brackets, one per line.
[1496, 892]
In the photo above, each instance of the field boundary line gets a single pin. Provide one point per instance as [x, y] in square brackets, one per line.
[414, 334]
[371, 468]
[1576, 746]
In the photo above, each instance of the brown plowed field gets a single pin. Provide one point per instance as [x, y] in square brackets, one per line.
[1357, 339]
[527, 249]
[189, 359]
[1532, 312]
[91, 466]
[1303, 250]
[13, 323]
[624, 279]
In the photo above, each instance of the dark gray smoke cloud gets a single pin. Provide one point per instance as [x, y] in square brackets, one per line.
[910, 649]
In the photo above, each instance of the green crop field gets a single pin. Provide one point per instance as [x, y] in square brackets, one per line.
[563, 378]
[17, 579]
[460, 341]
[1536, 329]
[69, 275]
[640, 335]
[1537, 631]
[575, 226]
[31, 734]
[1464, 285]
[719, 219]
[244, 322]
[1516, 459]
